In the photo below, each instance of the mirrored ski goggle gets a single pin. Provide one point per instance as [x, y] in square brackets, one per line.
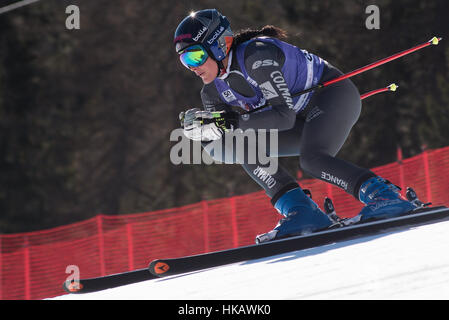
[193, 56]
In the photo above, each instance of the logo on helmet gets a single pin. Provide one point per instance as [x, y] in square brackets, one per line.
[216, 35]
[199, 34]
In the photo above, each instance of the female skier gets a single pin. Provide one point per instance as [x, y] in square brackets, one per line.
[253, 68]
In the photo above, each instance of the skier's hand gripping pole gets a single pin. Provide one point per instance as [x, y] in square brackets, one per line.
[200, 125]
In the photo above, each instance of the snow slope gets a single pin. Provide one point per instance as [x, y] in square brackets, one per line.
[410, 264]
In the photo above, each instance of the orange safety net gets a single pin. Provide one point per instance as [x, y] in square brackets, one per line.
[33, 265]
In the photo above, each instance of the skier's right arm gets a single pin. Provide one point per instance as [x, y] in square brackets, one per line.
[211, 100]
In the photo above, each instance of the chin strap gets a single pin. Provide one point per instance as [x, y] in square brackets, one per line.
[221, 69]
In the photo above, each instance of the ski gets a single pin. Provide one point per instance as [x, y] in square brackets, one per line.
[174, 266]
[107, 282]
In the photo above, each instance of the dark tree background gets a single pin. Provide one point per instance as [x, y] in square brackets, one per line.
[86, 115]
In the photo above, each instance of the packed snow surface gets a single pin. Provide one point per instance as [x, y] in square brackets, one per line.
[407, 264]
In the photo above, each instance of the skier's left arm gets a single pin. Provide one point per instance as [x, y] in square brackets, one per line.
[264, 62]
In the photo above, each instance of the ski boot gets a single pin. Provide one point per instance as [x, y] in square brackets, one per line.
[382, 200]
[301, 216]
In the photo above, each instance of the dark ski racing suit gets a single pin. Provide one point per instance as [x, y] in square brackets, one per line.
[313, 126]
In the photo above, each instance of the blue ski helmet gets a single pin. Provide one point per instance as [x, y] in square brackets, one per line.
[209, 28]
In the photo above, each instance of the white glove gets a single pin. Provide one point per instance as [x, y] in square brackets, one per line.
[200, 126]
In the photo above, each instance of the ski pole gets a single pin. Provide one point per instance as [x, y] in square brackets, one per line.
[433, 41]
[391, 87]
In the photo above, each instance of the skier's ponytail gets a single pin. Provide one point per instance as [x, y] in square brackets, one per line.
[267, 31]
